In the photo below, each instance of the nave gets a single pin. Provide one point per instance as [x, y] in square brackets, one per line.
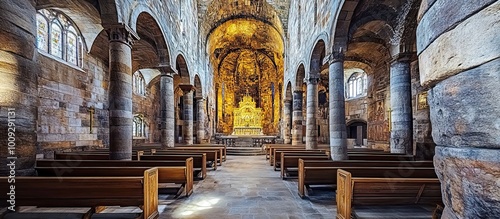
[247, 187]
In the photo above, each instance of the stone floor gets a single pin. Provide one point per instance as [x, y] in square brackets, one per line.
[247, 187]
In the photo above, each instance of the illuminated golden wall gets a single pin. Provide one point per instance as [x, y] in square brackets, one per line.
[247, 57]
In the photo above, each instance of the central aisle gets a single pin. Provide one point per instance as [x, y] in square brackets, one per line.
[247, 187]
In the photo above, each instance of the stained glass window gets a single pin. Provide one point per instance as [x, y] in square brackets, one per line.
[57, 35]
[71, 49]
[56, 40]
[139, 127]
[357, 85]
[42, 33]
[139, 83]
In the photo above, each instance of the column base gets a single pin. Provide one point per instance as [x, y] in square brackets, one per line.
[469, 181]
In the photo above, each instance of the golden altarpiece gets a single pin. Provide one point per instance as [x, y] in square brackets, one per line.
[247, 118]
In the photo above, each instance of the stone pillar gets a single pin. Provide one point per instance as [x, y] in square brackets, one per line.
[287, 119]
[311, 111]
[120, 92]
[401, 108]
[18, 87]
[201, 120]
[167, 109]
[188, 113]
[297, 117]
[338, 133]
[459, 60]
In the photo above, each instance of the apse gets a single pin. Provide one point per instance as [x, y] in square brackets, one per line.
[247, 59]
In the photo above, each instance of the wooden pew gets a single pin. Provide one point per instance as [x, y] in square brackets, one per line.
[86, 156]
[386, 157]
[267, 148]
[290, 162]
[224, 147]
[86, 192]
[211, 155]
[355, 192]
[275, 158]
[220, 151]
[166, 175]
[126, 163]
[199, 161]
[323, 172]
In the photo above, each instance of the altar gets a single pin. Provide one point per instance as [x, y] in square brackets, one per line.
[247, 118]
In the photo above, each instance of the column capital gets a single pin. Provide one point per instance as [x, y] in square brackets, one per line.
[403, 57]
[333, 57]
[312, 80]
[199, 99]
[166, 70]
[186, 88]
[121, 33]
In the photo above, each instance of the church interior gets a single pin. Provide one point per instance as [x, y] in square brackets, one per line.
[250, 109]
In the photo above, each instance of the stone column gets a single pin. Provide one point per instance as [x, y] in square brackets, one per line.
[311, 111]
[338, 133]
[120, 92]
[188, 113]
[401, 108]
[167, 109]
[201, 120]
[459, 60]
[18, 87]
[287, 119]
[297, 117]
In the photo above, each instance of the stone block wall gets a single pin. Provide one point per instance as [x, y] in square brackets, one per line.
[149, 106]
[423, 144]
[66, 95]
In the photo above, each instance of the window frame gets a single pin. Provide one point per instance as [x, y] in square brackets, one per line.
[67, 27]
[356, 86]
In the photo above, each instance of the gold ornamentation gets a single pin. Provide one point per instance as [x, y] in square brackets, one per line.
[422, 101]
[247, 118]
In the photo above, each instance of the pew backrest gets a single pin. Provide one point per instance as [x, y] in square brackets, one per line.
[382, 191]
[139, 191]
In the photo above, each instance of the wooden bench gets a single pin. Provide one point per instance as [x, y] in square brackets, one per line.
[366, 197]
[211, 156]
[324, 172]
[386, 157]
[199, 160]
[166, 175]
[276, 157]
[220, 151]
[224, 148]
[90, 192]
[127, 163]
[86, 156]
[290, 162]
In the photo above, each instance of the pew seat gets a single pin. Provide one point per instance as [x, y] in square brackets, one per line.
[362, 197]
[90, 192]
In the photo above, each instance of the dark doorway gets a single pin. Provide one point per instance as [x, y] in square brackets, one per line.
[357, 130]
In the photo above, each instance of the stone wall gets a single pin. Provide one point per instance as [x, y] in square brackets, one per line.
[148, 106]
[306, 25]
[66, 95]
[423, 144]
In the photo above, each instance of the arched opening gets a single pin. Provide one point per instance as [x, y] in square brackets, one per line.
[357, 133]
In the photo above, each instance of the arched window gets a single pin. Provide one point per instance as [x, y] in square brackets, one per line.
[58, 36]
[139, 84]
[139, 127]
[356, 85]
